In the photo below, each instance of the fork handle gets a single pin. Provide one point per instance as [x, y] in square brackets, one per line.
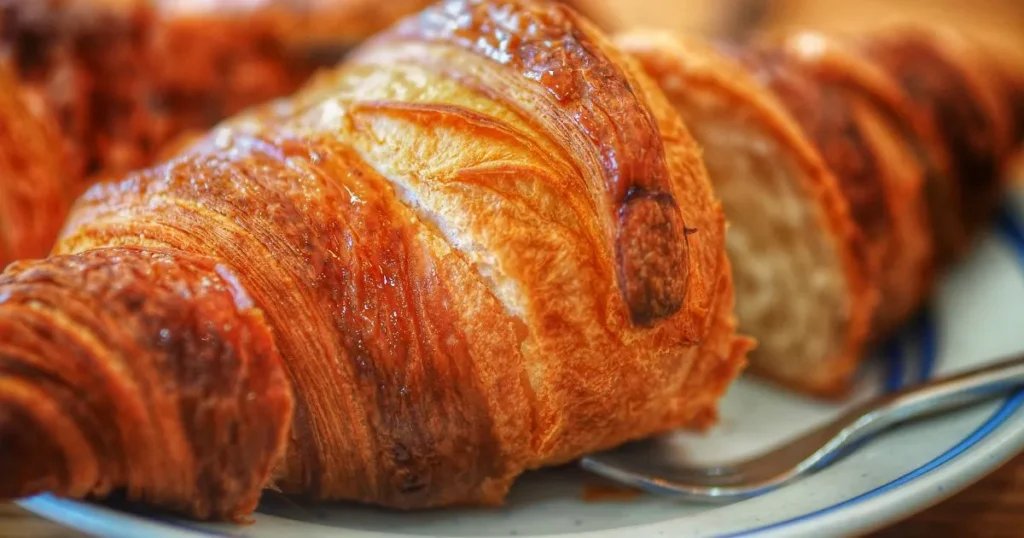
[939, 395]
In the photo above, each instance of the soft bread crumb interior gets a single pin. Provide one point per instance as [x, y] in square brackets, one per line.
[790, 286]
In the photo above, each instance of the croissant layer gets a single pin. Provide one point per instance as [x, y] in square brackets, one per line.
[121, 85]
[124, 78]
[791, 233]
[850, 111]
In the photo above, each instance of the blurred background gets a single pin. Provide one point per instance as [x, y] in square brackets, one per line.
[999, 22]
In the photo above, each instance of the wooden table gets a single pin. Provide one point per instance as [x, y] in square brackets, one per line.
[992, 508]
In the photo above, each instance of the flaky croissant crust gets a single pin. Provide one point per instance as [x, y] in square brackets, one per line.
[483, 245]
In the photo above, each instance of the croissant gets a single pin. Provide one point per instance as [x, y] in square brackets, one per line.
[484, 244]
[850, 172]
[965, 100]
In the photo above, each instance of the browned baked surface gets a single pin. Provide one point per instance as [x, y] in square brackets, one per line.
[466, 264]
[126, 82]
[828, 116]
[122, 78]
[144, 368]
[126, 77]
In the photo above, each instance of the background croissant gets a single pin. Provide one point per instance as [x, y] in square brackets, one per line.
[98, 88]
[483, 245]
[36, 189]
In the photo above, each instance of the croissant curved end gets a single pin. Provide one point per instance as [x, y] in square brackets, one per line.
[652, 256]
[95, 396]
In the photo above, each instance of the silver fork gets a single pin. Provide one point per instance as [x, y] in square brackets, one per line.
[653, 466]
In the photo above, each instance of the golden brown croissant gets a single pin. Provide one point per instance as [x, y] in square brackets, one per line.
[849, 171]
[947, 80]
[484, 244]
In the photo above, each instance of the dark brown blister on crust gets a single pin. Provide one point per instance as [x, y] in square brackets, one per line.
[652, 285]
[650, 234]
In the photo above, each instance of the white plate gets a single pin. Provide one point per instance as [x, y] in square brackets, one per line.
[976, 316]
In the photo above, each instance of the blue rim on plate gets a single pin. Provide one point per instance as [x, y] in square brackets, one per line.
[1012, 231]
[922, 331]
